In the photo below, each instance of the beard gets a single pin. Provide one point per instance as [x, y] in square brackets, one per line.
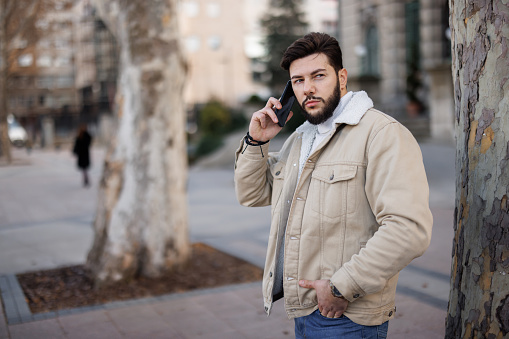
[328, 109]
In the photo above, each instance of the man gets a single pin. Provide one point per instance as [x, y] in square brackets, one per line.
[349, 200]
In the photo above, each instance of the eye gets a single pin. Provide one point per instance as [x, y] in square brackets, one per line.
[297, 81]
[320, 75]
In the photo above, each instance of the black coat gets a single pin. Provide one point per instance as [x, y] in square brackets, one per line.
[81, 149]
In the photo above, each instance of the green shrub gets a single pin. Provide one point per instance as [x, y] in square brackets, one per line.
[238, 121]
[207, 144]
[214, 118]
[256, 101]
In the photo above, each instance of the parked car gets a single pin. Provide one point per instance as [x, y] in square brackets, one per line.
[17, 134]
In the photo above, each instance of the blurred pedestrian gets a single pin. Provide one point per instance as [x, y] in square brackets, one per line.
[82, 151]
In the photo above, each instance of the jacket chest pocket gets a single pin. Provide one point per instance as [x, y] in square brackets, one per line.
[332, 191]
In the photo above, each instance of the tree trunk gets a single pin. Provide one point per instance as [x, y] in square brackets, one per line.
[141, 220]
[479, 297]
[5, 150]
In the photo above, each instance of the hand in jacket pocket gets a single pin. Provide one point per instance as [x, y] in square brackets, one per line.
[329, 305]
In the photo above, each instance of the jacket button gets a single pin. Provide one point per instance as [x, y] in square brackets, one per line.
[278, 172]
[331, 177]
[270, 274]
[356, 296]
[390, 314]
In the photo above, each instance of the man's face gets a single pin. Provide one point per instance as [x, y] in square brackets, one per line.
[317, 86]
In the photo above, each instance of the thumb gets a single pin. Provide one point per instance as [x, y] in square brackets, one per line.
[307, 283]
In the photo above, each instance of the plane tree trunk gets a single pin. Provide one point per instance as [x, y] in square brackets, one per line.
[141, 219]
[5, 146]
[479, 297]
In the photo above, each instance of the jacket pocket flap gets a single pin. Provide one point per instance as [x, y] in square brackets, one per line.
[334, 173]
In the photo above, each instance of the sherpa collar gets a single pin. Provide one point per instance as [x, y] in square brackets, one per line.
[353, 112]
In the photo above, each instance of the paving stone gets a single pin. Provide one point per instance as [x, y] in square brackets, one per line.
[95, 324]
[4, 334]
[139, 320]
[412, 317]
[37, 329]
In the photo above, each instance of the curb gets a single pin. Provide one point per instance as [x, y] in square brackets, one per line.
[17, 311]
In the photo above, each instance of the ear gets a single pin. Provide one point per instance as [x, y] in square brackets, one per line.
[343, 79]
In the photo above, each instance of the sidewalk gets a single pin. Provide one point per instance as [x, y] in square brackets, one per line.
[45, 222]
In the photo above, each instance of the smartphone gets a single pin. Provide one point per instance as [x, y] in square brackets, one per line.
[286, 100]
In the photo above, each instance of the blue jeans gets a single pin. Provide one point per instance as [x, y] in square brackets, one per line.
[317, 326]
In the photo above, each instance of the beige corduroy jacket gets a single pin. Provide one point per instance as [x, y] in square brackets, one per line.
[357, 214]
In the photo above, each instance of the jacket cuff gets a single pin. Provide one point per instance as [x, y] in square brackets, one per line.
[347, 286]
[253, 152]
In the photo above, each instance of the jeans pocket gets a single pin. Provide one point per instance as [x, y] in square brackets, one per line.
[319, 314]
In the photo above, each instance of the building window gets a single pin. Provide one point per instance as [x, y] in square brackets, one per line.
[42, 24]
[50, 101]
[44, 43]
[412, 36]
[64, 82]
[214, 42]
[62, 61]
[44, 61]
[44, 82]
[446, 32]
[30, 101]
[19, 82]
[62, 44]
[369, 53]
[213, 10]
[191, 8]
[21, 101]
[193, 43]
[413, 61]
[25, 60]
[64, 100]
[19, 44]
[330, 27]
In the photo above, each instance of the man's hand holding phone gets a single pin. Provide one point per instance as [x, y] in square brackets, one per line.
[265, 124]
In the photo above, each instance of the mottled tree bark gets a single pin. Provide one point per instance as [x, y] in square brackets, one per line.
[5, 12]
[479, 297]
[141, 220]
[4, 137]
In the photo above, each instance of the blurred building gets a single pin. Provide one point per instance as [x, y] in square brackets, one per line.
[396, 50]
[224, 43]
[399, 52]
[67, 77]
[41, 88]
[96, 65]
[213, 35]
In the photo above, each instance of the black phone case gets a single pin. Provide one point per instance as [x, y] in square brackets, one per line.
[286, 100]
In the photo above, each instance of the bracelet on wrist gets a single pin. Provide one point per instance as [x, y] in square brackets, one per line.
[258, 143]
[248, 139]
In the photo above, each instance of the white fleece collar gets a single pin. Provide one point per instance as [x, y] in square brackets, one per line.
[351, 114]
[327, 126]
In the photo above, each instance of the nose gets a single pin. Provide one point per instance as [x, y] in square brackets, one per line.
[309, 88]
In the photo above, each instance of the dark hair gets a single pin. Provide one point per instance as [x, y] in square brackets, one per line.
[314, 43]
